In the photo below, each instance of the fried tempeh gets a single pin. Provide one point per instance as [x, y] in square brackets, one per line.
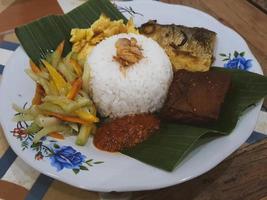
[196, 97]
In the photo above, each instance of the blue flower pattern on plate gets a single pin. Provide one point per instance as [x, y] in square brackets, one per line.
[237, 62]
[67, 157]
[60, 156]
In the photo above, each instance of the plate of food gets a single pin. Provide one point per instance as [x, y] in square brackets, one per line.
[136, 95]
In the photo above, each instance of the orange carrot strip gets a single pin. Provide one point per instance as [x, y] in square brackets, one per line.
[39, 93]
[60, 48]
[76, 86]
[56, 55]
[34, 68]
[67, 118]
[56, 135]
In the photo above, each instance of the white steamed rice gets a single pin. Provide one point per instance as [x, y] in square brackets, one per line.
[142, 89]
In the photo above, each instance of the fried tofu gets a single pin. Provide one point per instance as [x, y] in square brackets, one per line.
[196, 97]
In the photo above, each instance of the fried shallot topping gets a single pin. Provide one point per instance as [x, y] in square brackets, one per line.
[128, 52]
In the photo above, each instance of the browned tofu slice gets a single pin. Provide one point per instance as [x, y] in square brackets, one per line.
[196, 97]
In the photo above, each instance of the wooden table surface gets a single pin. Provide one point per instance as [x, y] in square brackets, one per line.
[243, 175]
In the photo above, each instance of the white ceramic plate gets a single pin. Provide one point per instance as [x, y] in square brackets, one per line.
[119, 172]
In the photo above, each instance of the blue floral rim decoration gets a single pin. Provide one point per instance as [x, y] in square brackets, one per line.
[237, 61]
[60, 156]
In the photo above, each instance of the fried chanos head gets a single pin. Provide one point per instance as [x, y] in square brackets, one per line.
[84, 40]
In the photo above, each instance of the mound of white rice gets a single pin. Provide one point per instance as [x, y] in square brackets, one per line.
[142, 89]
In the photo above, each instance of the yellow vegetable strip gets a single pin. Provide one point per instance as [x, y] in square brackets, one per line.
[53, 88]
[86, 116]
[84, 134]
[43, 82]
[76, 86]
[56, 76]
[67, 118]
[77, 67]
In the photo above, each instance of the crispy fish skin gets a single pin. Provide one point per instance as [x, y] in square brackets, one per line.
[188, 48]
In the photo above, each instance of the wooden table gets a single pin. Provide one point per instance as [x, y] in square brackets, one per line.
[243, 175]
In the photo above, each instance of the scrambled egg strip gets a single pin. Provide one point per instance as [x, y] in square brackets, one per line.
[84, 40]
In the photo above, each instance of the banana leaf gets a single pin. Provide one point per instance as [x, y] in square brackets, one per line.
[166, 148]
[42, 36]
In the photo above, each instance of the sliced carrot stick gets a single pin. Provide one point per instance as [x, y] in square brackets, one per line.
[67, 118]
[34, 68]
[59, 48]
[76, 86]
[39, 93]
[56, 135]
[56, 55]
